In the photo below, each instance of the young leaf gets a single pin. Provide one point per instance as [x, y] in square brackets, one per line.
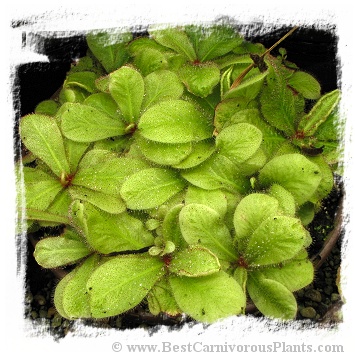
[208, 298]
[161, 299]
[218, 172]
[54, 252]
[42, 137]
[47, 107]
[251, 211]
[278, 238]
[121, 283]
[109, 48]
[176, 39]
[194, 261]
[200, 79]
[150, 188]
[174, 121]
[171, 229]
[271, 297]
[287, 204]
[84, 123]
[295, 173]
[127, 89]
[319, 113]
[150, 60]
[305, 84]
[71, 296]
[201, 224]
[161, 85]
[239, 142]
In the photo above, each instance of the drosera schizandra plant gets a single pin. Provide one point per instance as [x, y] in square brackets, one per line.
[183, 168]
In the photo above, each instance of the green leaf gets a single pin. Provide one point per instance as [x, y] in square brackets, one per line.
[286, 200]
[47, 107]
[201, 224]
[194, 261]
[71, 298]
[54, 252]
[171, 229]
[305, 84]
[294, 275]
[40, 189]
[161, 299]
[271, 297]
[239, 142]
[122, 283]
[200, 79]
[41, 215]
[215, 199]
[84, 123]
[174, 121]
[249, 88]
[295, 173]
[149, 60]
[319, 113]
[218, 172]
[105, 103]
[214, 41]
[150, 188]
[107, 202]
[201, 151]
[251, 211]
[127, 89]
[161, 85]
[84, 80]
[162, 153]
[112, 172]
[176, 39]
[278, 238]
[42, 137]
[75, 151]
[229, 107]
[109, 48]
[107, 233]
[208, 298]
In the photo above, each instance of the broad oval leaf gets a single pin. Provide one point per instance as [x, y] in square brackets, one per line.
[83, 79]
[161, 85]
[41, 135]
[295, 173]
[127, 89]
[54, 252]
[251, 211]
[176, 39]
[121, 283]
[174, 121]
[277, 239]
[239, 142]
[103, 102]
[200, 79]
[271, 297]
[201, 224]
[85, 123]
[294, 274]
[305, 84]
[194, 261]
[150, 188]
[208, 298]
[218, 172]
[70, 297]
[40, 189]
[162, 153]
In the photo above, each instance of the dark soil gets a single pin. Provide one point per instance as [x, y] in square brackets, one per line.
[319, 302]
